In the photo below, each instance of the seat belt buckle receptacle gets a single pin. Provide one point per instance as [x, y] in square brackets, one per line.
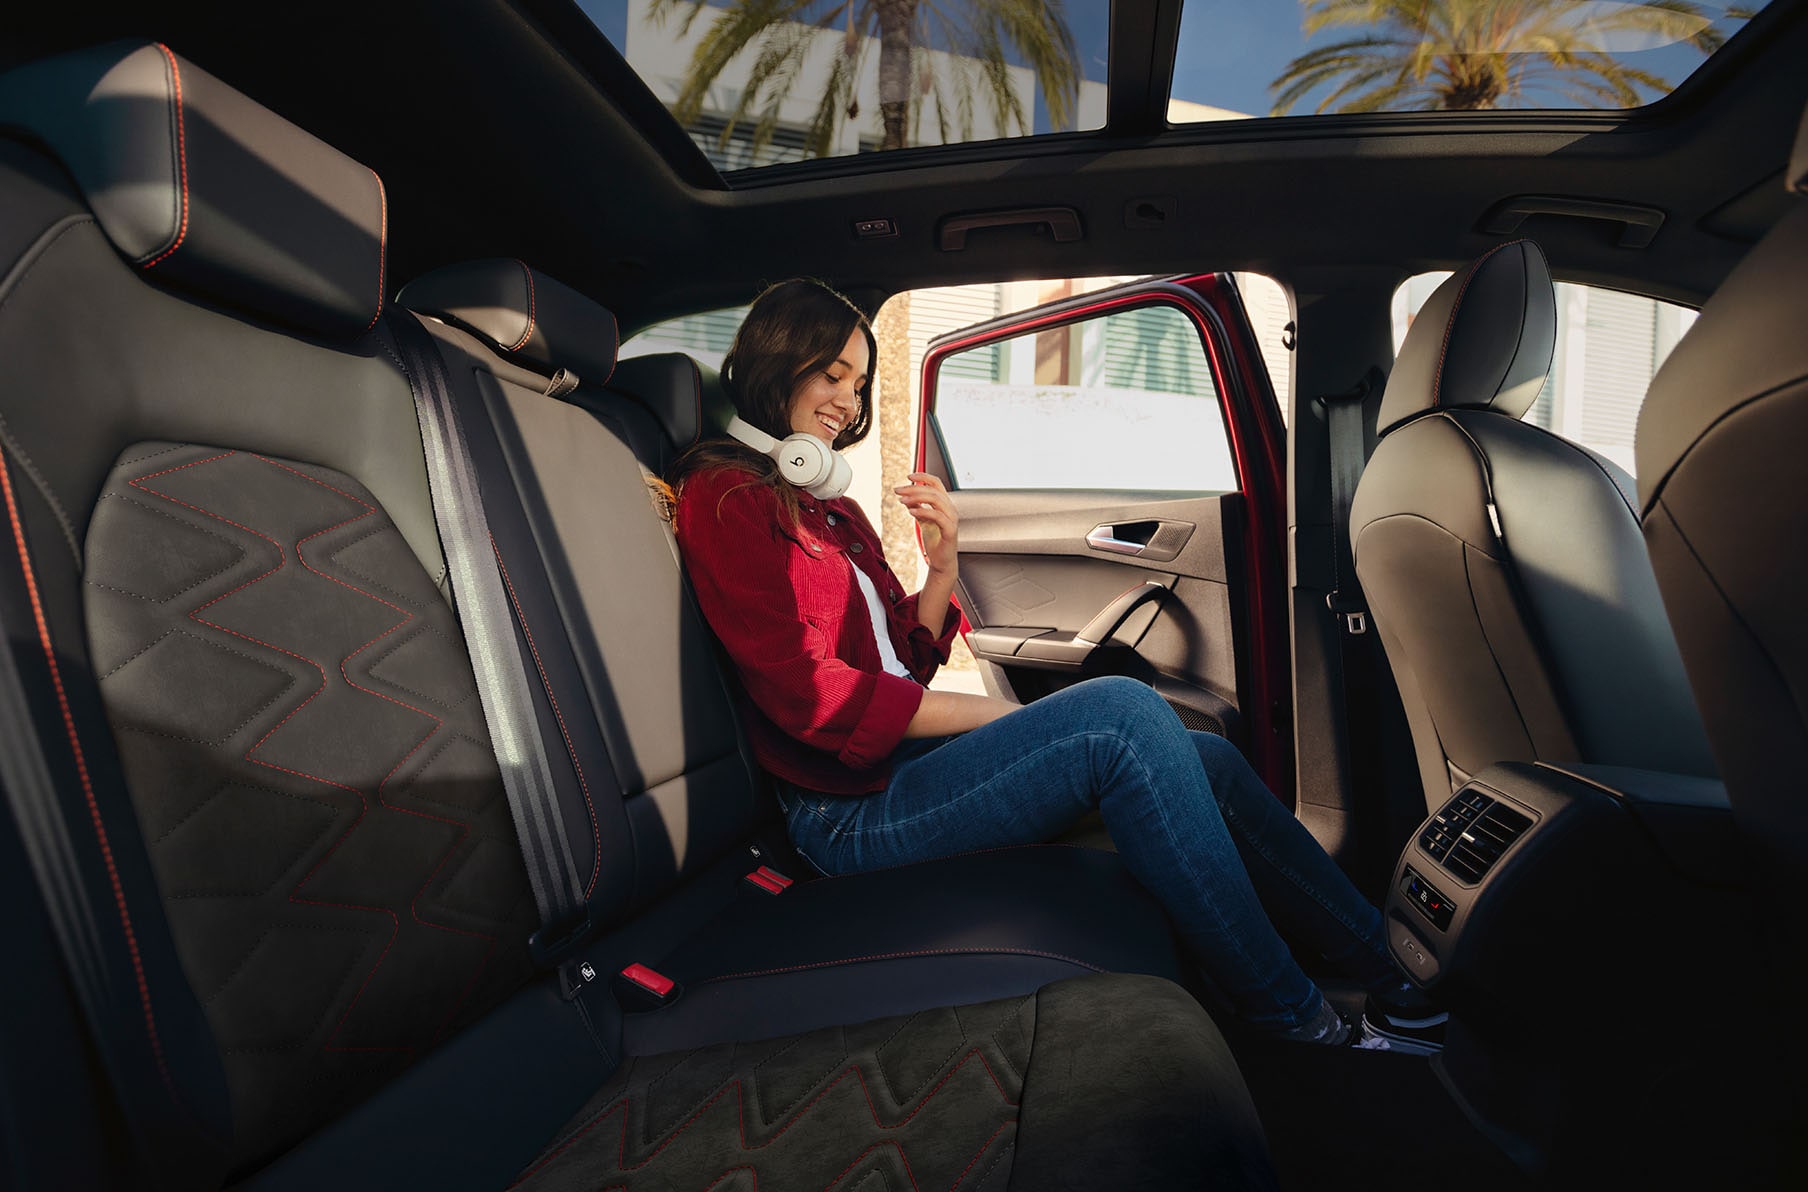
[638, 988]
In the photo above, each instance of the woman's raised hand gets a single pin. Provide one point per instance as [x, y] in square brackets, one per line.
[927, 500]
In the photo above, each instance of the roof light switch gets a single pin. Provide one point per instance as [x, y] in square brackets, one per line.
[874, 229]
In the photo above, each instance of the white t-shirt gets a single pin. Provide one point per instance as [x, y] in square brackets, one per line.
[876, 614]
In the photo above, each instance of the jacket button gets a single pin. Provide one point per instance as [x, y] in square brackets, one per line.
[831, 519]
[816, 546]
[857, 547]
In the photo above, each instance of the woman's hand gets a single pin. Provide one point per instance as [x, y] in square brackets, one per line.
[926, 499]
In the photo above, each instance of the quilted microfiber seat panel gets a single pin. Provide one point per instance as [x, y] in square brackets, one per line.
[928, 1100]
[308, 761]
[1109, 1081]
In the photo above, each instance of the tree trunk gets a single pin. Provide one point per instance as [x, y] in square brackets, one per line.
[896, 21]
[894, 390]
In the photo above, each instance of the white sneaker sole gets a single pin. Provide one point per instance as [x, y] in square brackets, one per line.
[1399, 1043]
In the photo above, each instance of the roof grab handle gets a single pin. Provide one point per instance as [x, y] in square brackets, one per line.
[1063, 224]
[1638, 228]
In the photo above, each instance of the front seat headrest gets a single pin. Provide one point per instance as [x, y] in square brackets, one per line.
[534, 319]
[1483, 340]
[685, 397]
[205, 190]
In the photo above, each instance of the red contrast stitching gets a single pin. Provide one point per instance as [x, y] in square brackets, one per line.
[821, 964]
[980, 1153]
[734, 1086]
[382, 246]
[596, 835]
[81, 769]
[363, 804]
[1437, 379]
[181, 159]
[902, 1158]
[529, 333]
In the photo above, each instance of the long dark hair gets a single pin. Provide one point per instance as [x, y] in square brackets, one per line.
[793, 329]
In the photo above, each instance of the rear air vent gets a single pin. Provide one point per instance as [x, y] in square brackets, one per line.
[1471, 833]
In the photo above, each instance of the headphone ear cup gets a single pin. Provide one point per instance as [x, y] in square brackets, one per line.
[841, 474]
[805, 460]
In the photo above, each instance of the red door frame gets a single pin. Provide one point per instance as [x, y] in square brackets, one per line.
[1258, 451]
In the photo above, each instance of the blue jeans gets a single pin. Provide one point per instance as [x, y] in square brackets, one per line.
[1191, 819]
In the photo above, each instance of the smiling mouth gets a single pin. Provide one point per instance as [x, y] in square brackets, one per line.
[833, 424]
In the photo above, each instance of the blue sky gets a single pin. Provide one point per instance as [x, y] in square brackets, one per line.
[1230, 50]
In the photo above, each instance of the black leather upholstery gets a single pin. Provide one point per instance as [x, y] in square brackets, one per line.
[534, 319]
[685, 397]
[1503, 564]
[1719, 451]
[1483, 339]
[203, 189]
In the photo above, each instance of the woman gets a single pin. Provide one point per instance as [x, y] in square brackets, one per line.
[875, 770]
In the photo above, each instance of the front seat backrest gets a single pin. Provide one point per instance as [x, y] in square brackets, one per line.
[1725, 516]
[1503, 564]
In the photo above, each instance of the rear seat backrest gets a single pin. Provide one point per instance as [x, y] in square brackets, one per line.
[272, 755]
[647, 662]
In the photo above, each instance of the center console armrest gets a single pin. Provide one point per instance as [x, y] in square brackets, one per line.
[1690, 818]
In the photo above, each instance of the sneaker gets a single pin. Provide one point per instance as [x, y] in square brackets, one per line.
[1408, 1019]
[1364, 1037]
[1328, 1028]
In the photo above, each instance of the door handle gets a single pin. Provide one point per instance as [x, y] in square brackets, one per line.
[1105, 538]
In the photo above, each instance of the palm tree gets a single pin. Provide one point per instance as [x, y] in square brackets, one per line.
[1463, 55]
[977, 37]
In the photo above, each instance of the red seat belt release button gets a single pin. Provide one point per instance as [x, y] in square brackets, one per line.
[769, 880]
[657, 984]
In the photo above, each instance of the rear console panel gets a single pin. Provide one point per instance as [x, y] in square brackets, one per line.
[1590, 930]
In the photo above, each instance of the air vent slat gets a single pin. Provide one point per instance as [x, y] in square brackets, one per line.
[1481, 831]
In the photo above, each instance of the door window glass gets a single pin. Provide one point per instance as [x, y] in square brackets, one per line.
[1121, 401]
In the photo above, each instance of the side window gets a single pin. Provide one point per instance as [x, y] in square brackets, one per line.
[1609, 346]
[705, 337]
[1120, 401]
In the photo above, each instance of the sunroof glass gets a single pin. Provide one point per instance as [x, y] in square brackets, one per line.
[1309, 57]
[762, 81]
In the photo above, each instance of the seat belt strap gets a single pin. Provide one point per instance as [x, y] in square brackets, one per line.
[496, 658]
[161, 1127]
[1349, 455]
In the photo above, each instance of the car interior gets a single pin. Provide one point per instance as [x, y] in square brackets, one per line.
[377, 810]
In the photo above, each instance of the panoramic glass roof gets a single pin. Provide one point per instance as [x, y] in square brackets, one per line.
[1238, 58]
[757, 82]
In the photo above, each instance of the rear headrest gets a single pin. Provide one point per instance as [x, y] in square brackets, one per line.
[685, 397]
[521, 313]
[1483, 339]
[201, 188]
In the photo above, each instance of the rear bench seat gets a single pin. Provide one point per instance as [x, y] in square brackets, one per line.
[268, 834]
[628, 663]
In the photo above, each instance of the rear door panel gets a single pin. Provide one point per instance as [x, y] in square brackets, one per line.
[1038, 565]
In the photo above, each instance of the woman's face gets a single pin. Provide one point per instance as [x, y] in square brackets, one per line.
[825, 401]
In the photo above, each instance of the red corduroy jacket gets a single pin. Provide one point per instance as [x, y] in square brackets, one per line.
[783, 601]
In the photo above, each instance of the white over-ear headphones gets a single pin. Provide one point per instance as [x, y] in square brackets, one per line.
[803, 459]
